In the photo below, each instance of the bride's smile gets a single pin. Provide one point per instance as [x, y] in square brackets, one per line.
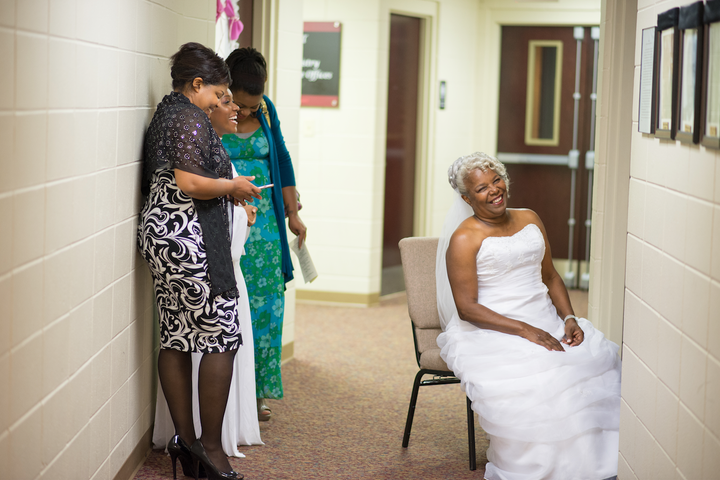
[486, 193]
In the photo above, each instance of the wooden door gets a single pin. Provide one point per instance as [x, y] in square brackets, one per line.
[245, 12]
[402, 108]
[539, 169]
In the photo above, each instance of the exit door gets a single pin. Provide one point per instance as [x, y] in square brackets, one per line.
[548, 78]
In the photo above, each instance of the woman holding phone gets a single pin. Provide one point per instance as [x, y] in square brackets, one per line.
[258, 149]
[184, 235]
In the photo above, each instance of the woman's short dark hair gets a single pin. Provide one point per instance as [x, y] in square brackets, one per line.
[248, 69]
[194, 60]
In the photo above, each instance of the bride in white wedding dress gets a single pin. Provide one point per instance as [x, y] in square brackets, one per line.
[545, 384]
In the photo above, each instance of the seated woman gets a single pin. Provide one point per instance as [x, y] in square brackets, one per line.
[545, 384]
[240, 423]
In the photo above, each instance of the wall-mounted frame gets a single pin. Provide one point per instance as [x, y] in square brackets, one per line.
[710, 105]
[648, 74]
[544, 82]
[321, 64]
[667, 73]
[690, 28]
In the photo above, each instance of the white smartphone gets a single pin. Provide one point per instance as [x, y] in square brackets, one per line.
[267, 186]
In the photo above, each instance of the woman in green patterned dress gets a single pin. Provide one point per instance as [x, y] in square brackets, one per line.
[258, 149]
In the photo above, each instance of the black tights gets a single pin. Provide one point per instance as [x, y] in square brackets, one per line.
[214, 377]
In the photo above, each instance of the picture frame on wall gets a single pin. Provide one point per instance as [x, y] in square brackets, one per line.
[710, 102]
[648, 74]
[690, 29]
[320, 79]
[667, 76]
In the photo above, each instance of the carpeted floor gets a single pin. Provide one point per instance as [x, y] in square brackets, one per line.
[346, 397]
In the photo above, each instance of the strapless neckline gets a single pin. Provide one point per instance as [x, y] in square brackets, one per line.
[509, 237]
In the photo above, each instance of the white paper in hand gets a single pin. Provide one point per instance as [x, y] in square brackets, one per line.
[306, 264]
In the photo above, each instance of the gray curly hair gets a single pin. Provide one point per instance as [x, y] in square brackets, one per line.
[459, 170]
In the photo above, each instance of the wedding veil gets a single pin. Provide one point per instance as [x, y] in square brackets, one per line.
[457, 214]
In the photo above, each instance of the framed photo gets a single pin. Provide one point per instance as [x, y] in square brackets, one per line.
[690, 27]
[667, 77]
[648, 72]
[321, 64]
[710, 104]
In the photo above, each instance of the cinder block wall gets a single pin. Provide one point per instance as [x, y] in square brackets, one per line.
[670, 418]
[80, 83]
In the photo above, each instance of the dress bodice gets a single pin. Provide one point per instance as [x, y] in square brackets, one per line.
[252, 146]
[510, 278]
[510, 259]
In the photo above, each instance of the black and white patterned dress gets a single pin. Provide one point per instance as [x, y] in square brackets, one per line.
[170, 237]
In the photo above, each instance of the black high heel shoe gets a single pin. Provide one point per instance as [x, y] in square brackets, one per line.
[179, 449]
[200, 458]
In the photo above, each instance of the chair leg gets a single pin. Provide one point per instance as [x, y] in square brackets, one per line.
[471, 434]
[411, 408]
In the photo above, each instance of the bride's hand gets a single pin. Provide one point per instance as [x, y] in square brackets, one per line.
[542, 338]
[574, 335]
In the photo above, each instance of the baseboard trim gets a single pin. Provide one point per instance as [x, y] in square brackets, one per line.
[137, 457]
[288, 352]
[338, 298]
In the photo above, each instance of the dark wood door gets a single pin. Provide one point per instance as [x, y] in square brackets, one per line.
[546, 188]
[402, 108]
[245, 12]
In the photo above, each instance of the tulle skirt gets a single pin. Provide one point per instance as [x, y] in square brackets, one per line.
[549, 415]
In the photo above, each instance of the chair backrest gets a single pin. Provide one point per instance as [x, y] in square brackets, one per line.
[418, 261]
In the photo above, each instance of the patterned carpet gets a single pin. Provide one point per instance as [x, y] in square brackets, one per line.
[346, 397]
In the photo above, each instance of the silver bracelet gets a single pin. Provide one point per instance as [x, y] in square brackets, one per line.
[570, 316]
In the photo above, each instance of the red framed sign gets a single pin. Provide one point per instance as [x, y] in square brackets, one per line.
[321, 64]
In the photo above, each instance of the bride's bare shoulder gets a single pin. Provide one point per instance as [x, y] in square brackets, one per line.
[525, 216]
[468, 236]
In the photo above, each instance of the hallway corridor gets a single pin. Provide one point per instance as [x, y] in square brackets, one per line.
[346, 398]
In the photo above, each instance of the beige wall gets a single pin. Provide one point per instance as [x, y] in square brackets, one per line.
[616, 60]
[340, 153]
[81, 81]
[281, 43]
[670, 417]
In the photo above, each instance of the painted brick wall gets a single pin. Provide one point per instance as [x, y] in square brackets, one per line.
[80, 83]
[670, 417]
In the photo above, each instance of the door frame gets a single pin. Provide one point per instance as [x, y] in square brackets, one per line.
[427, 12]
[606, 301]
[265, 20]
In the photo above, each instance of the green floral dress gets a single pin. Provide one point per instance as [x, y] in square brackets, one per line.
[261, 264]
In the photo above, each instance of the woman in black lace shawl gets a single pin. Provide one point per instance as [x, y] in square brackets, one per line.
[184, 235]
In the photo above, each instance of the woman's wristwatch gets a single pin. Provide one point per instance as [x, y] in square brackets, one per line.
[570, 316]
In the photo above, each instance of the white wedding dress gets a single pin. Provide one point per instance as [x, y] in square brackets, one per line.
[549, 415]
[240, 424]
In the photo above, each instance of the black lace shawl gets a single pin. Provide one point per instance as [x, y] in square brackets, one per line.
[180, 136]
